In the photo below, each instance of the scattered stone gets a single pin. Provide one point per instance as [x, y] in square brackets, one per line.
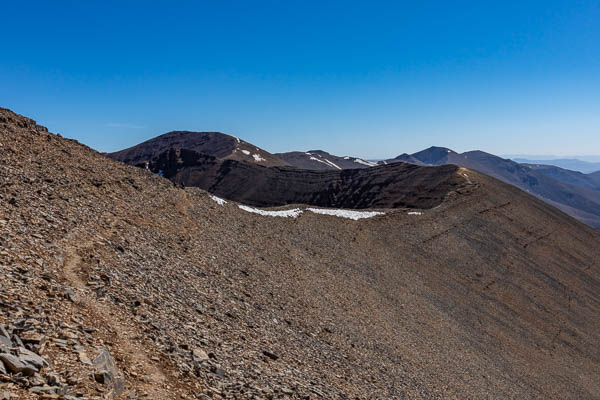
[199, 355]
[83, 357]
[53, 379]
[5, 341]
[33, 338]
[37, 380]
[30, 357]
[107, 372]
[4, 332]
[7, 396]
[17, 341]
[270, 355]
[43, 389]
[70, 295]
[15, 365]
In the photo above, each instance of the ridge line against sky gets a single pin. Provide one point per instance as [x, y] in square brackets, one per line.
[370, 79]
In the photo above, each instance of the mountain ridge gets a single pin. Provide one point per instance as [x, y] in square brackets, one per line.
[216, 144]
[573, 192]
[573, 164]
[319, 159]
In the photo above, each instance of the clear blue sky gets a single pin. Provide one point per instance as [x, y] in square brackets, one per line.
[372, 79]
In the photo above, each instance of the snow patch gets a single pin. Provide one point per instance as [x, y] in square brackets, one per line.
[415, 213]
[351, 214]
[332, 164]
[246, 152]
[363, 162]
[346, 158]
[258, 158]
[325, 161]
[279, 213]
[218, 200]
[295, 212]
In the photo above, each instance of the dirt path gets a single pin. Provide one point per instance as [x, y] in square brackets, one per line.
[146, 374]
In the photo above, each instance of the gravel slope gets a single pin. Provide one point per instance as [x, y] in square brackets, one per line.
[491, 294]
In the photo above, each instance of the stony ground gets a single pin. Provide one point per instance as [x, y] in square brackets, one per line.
[115, 284]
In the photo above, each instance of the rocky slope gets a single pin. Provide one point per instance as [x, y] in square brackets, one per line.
[216, 144]
[490, 294]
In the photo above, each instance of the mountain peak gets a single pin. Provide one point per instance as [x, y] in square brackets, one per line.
[433, 155]
[215, 144]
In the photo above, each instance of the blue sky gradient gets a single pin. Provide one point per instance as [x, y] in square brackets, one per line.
[372, 79]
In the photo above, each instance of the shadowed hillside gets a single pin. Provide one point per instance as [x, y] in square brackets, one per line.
[398, 185]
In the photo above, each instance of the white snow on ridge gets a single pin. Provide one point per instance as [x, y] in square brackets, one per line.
[363, 162]
[279, 213]
[332, 164]
[295, 212]
[258, 158]
[219, 200]
[325, 161]
[351, 214]
[415, 213]
[246, 152]
[346, 158]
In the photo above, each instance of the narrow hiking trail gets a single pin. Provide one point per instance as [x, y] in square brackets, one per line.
[146, 374]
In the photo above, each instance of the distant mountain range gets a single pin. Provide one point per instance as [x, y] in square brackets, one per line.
[573, 192]
[217, 162]
[567, 163]
[233, 168]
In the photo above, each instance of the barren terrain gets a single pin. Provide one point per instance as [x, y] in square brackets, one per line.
[489, 293]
